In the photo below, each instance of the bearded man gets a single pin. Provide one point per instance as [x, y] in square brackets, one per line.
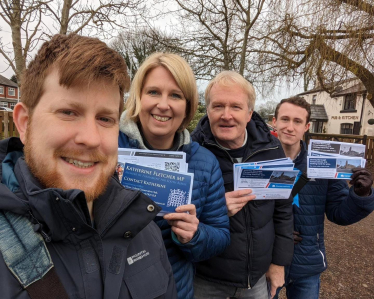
[68, 229]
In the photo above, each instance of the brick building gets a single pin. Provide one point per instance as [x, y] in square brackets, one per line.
[9, 93]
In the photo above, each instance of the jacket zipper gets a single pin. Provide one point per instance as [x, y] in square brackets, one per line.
[249, 236]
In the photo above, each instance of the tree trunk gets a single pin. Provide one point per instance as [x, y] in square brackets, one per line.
[65, 16]
[16, 40]
[366, 77]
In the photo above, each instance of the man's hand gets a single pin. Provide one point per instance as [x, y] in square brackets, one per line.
[183, 224]
[362, 180]
[275, 275]
[236, 200]
[296, 237]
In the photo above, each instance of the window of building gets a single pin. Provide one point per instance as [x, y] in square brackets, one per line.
[3, 104]
[350, 102]
[317, 126]
[1, 89]
[11, 91]
[346, 129]
[12, 105]
[314, 99]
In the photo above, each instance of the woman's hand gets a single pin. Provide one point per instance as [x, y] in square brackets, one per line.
[183, 224]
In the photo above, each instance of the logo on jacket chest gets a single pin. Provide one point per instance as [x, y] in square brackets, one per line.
[138, 256]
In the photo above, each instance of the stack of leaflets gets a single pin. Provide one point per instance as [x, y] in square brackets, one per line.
[271, 179]
[160, 175]
[334, 160]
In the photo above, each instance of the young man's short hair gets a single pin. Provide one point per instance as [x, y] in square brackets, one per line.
[79, 60]
[297, 101]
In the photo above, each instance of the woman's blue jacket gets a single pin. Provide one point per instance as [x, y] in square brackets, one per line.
[208, 195]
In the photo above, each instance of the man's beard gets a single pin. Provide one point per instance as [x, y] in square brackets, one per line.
[51, 178]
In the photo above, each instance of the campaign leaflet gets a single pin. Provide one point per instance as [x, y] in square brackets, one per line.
[164, 160]
[283, 163]
[266, 183]
[167, 189]
[335, 148]
[334, 160]
[332, 167]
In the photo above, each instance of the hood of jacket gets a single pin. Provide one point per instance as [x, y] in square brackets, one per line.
[56, 212]
[130, 128]
[259, 136]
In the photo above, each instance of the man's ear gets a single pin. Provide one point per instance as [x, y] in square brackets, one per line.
[21, 119]
[307, 127]
[274, 122]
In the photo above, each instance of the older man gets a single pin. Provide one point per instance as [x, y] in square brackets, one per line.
[68, 229]
[261, 231]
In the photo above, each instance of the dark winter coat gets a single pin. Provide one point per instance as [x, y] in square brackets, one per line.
[88, 259]
[212, 236]
[261, 233]
[317, 198]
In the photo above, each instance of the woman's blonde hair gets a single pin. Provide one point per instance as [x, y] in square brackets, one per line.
[183, 75]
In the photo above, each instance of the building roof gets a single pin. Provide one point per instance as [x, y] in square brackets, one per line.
[7, 82]
[358, 88]
[338, 85]
[318, 112]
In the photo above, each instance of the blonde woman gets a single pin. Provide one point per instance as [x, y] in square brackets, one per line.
[163, 100]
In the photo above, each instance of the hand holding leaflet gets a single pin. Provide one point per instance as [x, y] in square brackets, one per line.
[184, 222]
[236, 200]
[362, 180]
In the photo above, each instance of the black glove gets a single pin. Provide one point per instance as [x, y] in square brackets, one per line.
[362, 180]
[296, 238]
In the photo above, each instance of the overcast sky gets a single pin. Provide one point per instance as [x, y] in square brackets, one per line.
[279, 93]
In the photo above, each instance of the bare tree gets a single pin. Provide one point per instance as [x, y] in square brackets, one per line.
[137, 44]
[325, 40]
[31, 21]
[267, 108]
[24, 19]
[215, 33]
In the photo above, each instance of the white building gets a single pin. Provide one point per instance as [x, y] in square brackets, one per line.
[346, 111]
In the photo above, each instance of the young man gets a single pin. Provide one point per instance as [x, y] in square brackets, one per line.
[260, 231]
[342, 205]
[68, 229]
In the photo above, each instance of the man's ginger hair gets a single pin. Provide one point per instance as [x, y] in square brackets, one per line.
[78, 60]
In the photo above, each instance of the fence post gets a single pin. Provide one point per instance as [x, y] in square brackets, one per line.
[6, 121]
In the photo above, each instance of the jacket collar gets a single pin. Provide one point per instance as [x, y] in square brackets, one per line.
[130, 128]
[300, 161]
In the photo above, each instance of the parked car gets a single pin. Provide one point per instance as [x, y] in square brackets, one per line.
[273, 131]
[6, 109]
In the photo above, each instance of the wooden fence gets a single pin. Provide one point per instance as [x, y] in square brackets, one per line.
[362, 139]
[8, 128]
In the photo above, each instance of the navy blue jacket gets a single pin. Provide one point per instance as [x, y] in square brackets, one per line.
[123, 256]
[317, 198]
[261, 233]
[212, 236]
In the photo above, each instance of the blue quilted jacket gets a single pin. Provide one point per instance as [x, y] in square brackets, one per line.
[341, 206]
[208, 195]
